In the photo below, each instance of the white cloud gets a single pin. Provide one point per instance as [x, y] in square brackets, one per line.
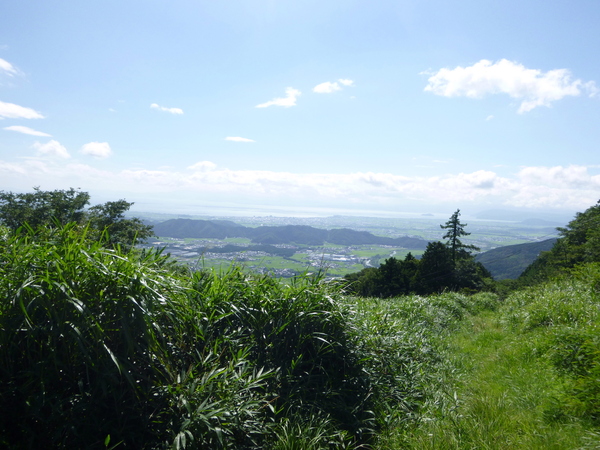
[169, 110]
[488, 118]
[12, 111]
[27, 130]
[287, 101]
[571, 186]
[52, 148]
[8, 68]
[532, 86]
[238, 139]
[98, 150]
[328, 87]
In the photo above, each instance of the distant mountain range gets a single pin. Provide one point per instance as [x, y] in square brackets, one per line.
[510, 261]
[287, 234]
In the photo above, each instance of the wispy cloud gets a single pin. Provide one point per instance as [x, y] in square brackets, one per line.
[98, 150]
[287, 101]
[238, 139]
[328, 87]
[169, 110]
[52, 148]
[12, 111]
[27, 130]
[8, 68]
[532, 86]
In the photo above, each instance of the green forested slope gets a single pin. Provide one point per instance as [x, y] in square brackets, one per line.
[511, 260]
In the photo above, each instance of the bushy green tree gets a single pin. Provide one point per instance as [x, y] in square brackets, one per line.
[393, 278]
[42, 208]
[436, 269]
[59, 207]
[581, 237]
[110, 218]
[364, 283]
[579, 243]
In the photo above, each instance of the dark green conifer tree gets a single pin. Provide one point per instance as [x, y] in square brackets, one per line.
[456, 229]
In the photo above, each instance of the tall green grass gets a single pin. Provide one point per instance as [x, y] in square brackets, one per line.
[522, 377]
[82, 340]
[101, 348]
[563, 318]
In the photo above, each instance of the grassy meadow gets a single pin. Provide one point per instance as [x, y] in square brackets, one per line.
[101, 348]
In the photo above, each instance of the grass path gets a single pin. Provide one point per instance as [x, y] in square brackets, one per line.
[496, 394]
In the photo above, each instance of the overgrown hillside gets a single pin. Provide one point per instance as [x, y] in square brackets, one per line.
[579, 243]
[523, 377]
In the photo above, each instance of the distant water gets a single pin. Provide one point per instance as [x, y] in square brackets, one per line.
[277, 211]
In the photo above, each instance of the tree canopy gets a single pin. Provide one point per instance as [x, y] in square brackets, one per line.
[579, 243]
[443, 267]
[51, 209]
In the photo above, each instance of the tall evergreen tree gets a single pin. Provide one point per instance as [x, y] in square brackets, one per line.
[456, 229]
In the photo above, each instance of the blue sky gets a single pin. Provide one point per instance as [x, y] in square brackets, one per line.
[338, 106]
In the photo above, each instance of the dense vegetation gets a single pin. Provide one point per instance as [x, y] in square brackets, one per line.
[97, 343]
[579, 243]
[448, 266]
[107, 346]
[58, 208]
[523, 377]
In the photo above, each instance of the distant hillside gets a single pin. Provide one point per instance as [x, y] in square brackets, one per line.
[182, 228]
[512, 260]
[288, 234]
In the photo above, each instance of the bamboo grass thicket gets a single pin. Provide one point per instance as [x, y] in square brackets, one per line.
[105, 348]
